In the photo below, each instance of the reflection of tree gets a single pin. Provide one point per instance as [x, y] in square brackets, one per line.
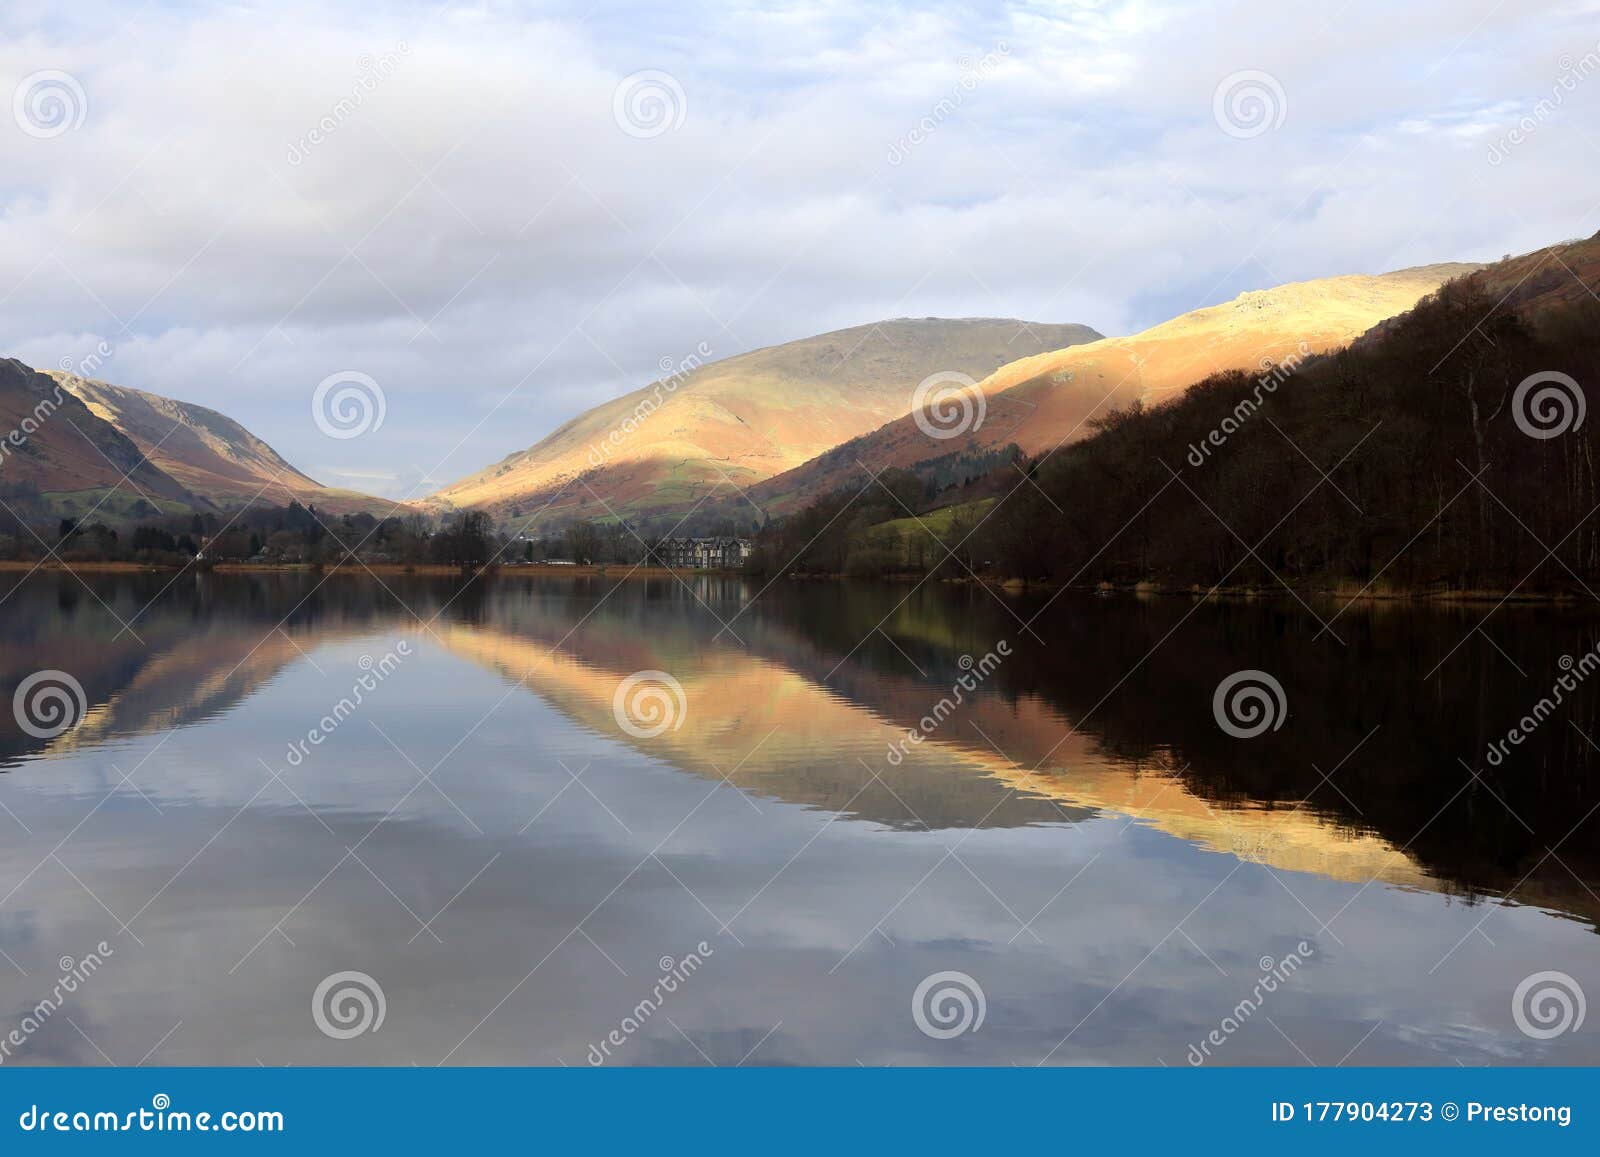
[1367, 708]
[1113, 708]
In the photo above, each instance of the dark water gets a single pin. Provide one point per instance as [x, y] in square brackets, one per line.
[530, 873]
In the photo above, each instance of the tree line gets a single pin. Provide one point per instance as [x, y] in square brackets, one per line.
[1446, 451]
[303, 535]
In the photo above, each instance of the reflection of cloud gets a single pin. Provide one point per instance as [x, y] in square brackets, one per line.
[759, 715]
[1100, 893]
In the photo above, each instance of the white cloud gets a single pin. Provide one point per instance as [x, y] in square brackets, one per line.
[478, 234]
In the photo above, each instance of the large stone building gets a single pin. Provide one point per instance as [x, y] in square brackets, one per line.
[704, 553]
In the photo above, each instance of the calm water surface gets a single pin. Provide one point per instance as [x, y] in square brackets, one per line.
[515, 860]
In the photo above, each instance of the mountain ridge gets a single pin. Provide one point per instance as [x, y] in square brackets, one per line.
[80, 447]
[1042, 401]
[725, 424]
[210, 454]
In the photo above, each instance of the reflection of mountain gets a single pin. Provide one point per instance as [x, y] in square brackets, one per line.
[825, 678]
[763, 725]
[204, 675]
[1401, 813]
[186, 657]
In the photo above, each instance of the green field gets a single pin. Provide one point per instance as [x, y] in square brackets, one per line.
[935, 521]
[106, 504]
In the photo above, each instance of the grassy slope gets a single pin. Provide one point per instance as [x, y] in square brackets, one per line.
[1047, 400]
[731, 423]
[208, 452]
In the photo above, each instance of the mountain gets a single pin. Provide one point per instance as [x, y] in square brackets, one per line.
[1442, 452]
[726, 425]
[1043, 401]
[1538, 282]
[208, 453]
[72, 446]
[54, 449]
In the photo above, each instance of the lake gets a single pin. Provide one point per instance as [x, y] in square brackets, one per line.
[578, 820]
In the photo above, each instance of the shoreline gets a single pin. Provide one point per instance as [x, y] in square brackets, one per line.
[1337, 592]
[426, 569]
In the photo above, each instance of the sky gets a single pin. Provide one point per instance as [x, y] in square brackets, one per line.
[498, 215]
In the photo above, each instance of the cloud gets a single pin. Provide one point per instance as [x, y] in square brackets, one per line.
[443, 198]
